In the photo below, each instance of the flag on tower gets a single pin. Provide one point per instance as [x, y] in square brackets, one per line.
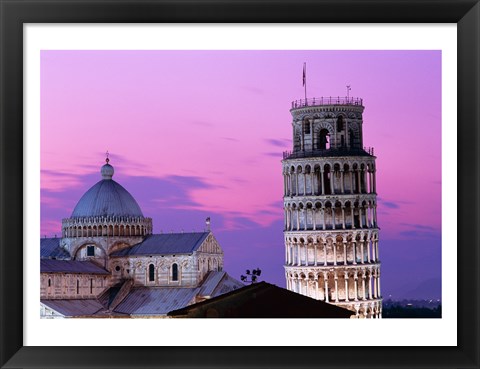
[304, 73]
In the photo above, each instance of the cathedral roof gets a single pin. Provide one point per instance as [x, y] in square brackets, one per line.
[50, 248]
[166, 244]
[107, 198]
[70, 266]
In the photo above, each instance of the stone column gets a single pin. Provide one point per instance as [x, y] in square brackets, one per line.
[346, 286]
[332, 209]
[334, 253]
[325, 279]
[315, 253]
[316, 287]
[375, 181]
[363, 285]
[361, 249]
[359, 187]
[332, 188]
[368, 250]
[375, 294]
[314, 217]
[376, 248]
[355, 276]
[297, 192]
[351, 180]
[305, 245]
[342, 186]
[345, 252]
[336, 286]
[378, 284]
[312, 184]
[325, 253]
[354, 249]
[352, 215]
[322, 180]
[298, 218]
[305, 217]
[304, 184]
[360, 215]
[298, 254]
[370, 285]
[374, 257]
[343, 217]
[323, 218]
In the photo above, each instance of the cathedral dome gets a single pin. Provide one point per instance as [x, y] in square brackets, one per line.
[107, 198]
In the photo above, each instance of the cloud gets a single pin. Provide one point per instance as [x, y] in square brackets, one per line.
[278, 142]
[253, 89]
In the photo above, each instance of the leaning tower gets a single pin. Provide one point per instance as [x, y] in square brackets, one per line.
[330, 207]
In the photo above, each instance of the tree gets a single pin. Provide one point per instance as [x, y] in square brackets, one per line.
[251, 276]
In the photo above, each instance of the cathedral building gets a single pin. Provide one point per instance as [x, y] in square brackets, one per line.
[330, 207]
[108, 262]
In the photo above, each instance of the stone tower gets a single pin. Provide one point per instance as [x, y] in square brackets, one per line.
[330, 207]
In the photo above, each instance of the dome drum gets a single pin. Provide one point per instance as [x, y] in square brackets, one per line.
[106, 226]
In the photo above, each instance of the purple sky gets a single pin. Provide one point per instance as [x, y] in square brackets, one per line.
[193, 134]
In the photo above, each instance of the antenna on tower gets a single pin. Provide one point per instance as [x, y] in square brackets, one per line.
[107, 159]
[348, 92]
[305, 80]
[207, 223]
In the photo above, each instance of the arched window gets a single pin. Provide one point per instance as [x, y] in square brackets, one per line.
[174, 272]
[306, 127]
[340, 124]
[151, 273]
[323, 140]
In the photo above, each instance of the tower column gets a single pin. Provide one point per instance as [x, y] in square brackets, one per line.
[332, 182]
[359, 186]
[315, 253]
[334, 253]
[354, 250]
[355, 276]
[346, 286]
[341, 182]
[345, 252]
[304, 184]
[314, 217]
[312, 183]
[370, 284]
[376, 249]
[351, 173]
[343, 217]
[361, 249]
[322, 180]
[298, 254]
[306, 253]
[325, 279]
[363, 285]
[367, 241]
[316, 287]
[336, 286]
[325, 253]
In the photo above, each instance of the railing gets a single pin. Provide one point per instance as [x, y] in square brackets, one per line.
[319, 101]
[329, 152]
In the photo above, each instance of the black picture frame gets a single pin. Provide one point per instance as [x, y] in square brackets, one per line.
[15, 13]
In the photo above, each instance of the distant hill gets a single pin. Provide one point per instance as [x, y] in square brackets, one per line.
[428, 289]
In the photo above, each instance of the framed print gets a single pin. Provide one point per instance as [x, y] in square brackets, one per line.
[83, 52]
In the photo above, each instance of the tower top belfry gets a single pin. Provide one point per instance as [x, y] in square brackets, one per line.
[330, 225]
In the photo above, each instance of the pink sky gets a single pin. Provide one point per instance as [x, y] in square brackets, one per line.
[213, 124]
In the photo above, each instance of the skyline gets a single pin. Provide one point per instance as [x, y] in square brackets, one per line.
[196, 134]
